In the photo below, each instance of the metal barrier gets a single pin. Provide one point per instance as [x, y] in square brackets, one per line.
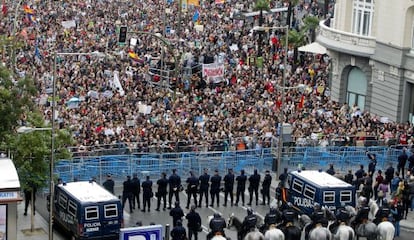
[153, 164]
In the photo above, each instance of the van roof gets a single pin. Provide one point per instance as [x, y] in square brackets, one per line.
[9, 179]
[320, 178]
[85, 191]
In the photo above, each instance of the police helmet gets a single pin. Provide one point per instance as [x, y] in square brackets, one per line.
[217, 215]
[316, 205]
[249, 211]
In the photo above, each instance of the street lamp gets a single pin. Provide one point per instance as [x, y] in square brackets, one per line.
[25, 129]
[276, 164]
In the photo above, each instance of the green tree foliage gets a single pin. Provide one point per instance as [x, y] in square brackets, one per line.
[310, 25]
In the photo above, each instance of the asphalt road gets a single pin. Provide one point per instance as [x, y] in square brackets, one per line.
[163, 217]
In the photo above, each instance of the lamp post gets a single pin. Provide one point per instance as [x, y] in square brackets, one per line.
[276, 164]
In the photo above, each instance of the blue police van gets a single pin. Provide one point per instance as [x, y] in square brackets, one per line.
[307, 187]
[87, 211]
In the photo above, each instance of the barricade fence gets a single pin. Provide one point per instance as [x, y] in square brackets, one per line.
[153, 164]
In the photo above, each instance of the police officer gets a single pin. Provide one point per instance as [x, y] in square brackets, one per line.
[382, 214]
[228, 187]
[176, 213]
[267, 181]
[342, 216]
[127, 193]
[363, 212]
[109, 184]
[147, 194]
[241, 187]
[136, 190]
[162, 191]
[249, 222]
[254, 181]
[217, 225]
[290, 231]
[204, 185]
[174, 182]
[215, 188]
[318, 215]
[289, 213]
[272, 217]
[194, 223]
[178, 232]
[192, 188]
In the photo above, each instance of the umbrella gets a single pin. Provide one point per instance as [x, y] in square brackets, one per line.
[313, 48]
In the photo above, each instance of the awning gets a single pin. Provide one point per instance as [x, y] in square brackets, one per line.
[313, 48]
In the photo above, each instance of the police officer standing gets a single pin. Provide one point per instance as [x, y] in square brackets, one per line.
[162, 191]
[147, 194]
[241, 187]
[228, 187]
[127, 193]
[176, 213]
[178, 231]
[194, 223]
[291, 231]
[363, 212]
[254, 181]
[204, 185]
[109, 184]
[249, 222]
[217, 226]
[215, 188]
[192, 188]
[272, 217]
[174, 182]
[136, 189]
[267, 181]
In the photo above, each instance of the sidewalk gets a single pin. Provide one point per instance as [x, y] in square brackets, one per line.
[41, 227]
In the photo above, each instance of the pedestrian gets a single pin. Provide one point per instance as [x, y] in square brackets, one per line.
[194, 223]
[241, 187]
[331, 169]
[192, 188]
[405, 198]
[228, 187]
[178, 232]
[136, 190]
[395, 183]
[383, 189]
[397, 211]
[29, 193]
[204, 186]
[215, 188]
[162, 191]
[283, 177]
[109, 184]
[254, 181]
[372, 163]
[147, 194]
[411, 160]
[389, 173]
[378, 180]
[402, 160]
[267, 181]
[176, 213]
[349, 178]
[174, 182]
[359, 174]
[127, 193]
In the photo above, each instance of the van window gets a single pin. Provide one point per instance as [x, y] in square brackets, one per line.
[63, 200]
[297, 185]
[329, 197]
[309, 192]
[346, 196]
[72, 208]
[111, 210]
[91, 213]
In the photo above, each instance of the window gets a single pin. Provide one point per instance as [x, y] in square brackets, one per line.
[357, 88]
[309, 192]
[63, 200]
[72, 208]
[297, 186]
[111, 210]
[91, 213]
[329, 197]
[346, 196]
[362, 17]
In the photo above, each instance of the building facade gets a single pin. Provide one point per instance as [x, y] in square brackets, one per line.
[371, 43]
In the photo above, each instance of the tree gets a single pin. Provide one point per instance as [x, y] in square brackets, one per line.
[291, 12]
[310, 25]
[261, 5]
[296, 39]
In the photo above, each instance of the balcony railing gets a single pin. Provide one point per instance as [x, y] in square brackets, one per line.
[345, 42]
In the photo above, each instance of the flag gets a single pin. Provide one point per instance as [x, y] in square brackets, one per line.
[196, 15]
[194, 2]
[133, 55]
[27, 9]
[302, 101]
[37, 55]
[32, 18]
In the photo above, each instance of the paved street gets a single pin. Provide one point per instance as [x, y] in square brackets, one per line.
[163, 217]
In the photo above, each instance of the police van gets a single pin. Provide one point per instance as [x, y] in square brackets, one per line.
[308, 187]
[87, 211]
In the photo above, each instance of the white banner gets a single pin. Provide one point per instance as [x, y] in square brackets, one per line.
[69, 24]
[213, 70]
[117, 84]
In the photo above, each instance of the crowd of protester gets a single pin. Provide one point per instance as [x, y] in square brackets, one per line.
[140, 112]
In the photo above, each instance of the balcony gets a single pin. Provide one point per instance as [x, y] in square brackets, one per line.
[341, 41]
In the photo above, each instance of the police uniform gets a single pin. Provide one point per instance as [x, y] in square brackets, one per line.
[254, 181]
[272, 217]
[178, 232]
[249, 222]
[241, 187]
[228, 187]
[204, 185]
[267, 181]
[382, 213]
[174, 182]
[136, 190]
[217, 224]
[147, 194]
[127, 193]
[362, 215]
[162, 191]
[176, 213]
[192, 188]
[215, 188]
